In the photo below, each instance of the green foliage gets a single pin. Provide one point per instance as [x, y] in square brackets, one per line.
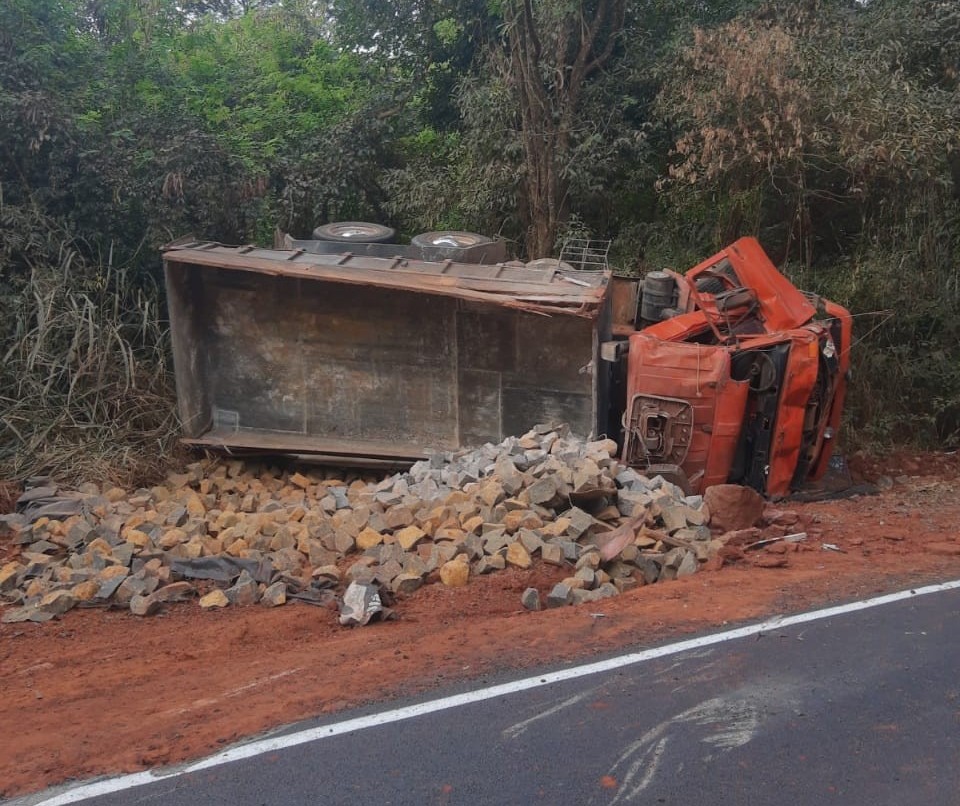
[831, 129]
[833, 133]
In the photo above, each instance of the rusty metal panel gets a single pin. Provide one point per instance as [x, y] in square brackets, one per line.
[578, 293]
[294, 363]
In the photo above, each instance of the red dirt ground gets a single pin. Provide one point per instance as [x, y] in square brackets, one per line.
[106, 692]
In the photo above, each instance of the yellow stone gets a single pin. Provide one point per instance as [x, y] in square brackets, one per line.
[297, 513]
[518, 555]
[227, 519]
[556, 528]
[35, 588]
[300, 481]
[172, 538]
[194, 505]
[99, 546]
[473, 524]
[8, 572]
[236, 547]
[85, 591]
[212, 546]
[216, 598]
[138, 538]
[112, 571]
[368, 538]
[455, 573]
[409, 536]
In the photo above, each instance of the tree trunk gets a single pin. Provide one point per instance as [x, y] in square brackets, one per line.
[548, 84]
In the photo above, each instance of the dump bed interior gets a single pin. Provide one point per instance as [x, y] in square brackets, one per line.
[369, 357]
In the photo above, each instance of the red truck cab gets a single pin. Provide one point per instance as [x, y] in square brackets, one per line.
[740, 380]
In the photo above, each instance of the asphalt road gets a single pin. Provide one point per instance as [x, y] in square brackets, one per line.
[861, 708]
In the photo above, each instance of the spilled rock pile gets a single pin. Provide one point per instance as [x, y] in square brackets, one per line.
[241, 534]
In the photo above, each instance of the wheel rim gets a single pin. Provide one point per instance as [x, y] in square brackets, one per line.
[355, 231]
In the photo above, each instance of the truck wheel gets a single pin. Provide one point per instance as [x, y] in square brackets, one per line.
[450, 238]
[354, 232]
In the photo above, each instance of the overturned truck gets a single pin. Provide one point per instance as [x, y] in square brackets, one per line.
[384, 354]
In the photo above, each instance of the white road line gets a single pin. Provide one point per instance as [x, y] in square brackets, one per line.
[275, 743]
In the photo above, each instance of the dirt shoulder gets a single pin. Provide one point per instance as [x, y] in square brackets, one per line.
[105, 692]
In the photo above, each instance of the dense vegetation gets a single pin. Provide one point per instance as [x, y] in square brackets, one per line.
[828, 128]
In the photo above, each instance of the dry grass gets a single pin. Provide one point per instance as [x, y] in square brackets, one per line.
[85, 389]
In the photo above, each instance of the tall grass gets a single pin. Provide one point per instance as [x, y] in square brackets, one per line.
[85, 387]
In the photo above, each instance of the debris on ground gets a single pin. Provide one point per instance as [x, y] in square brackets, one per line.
[238, 534]
[362, 603]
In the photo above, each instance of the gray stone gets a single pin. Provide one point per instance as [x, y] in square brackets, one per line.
[510, 477]
[531, 599]
[673, 516]
[174, 592]
[496, 542]
[649, 568]
[552, 554]
[632, 504]
[583, 596]
[580, 521]
[571, 550]
[589, 559]
[531, 540]
[624, 584]
[543, 491]
[387, 572]
[326, 575]
[56, 603]
[134, 586]
[275, 595]
[488, 564]
[619, 569]
[560, 596]
[588, 576]
[145, 605]
[244, 591]
[688, 565]
[340, 497]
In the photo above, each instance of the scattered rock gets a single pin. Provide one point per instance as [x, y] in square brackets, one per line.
[216, 598]
[560, 596]
[145, 605]
[545, 496]
[244, 591]
[275, 595]
[455, 573]
[531, 599]
[733, 507]
[518, 556]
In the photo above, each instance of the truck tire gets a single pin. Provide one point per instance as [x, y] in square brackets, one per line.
[450, 239]
[354, 232]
